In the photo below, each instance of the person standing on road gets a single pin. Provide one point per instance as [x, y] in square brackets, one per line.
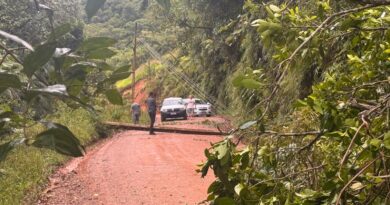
[191, 106]
[152, 109]
[135, 112]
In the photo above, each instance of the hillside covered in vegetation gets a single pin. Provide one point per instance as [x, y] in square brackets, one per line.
[306, 82]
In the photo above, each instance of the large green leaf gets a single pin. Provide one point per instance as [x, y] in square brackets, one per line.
[205, 168]
[114, 97]
[214, 187]
[16, 39]
[60, 139]
[60, 91]
[103, 66]
[8, 146]
[75, 79]
[75, 86]
[78, 72]
[93, 6]
[223, 152]
[251, 84]
[120, 74]
[238, 188]
[38, 58]
[9, 81]
[248, 125]
[274, 8]
[83, 65]
[96, 43]
[60, 31]
[101, 53]
[237, 80]
[57, 89]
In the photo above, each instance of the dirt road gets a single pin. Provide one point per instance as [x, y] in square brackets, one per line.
[135, 168]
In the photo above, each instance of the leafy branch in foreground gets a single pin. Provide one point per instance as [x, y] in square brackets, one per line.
[345, 48]
[48, 73]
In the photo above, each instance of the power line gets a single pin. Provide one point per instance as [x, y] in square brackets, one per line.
[181, 76]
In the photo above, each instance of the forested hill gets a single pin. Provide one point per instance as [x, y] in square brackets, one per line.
[117, 19]
[307, 84]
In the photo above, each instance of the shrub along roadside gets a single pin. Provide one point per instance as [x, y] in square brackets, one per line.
[25, 171]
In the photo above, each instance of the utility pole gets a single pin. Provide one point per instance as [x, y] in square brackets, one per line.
[149, 70]
[134, 62]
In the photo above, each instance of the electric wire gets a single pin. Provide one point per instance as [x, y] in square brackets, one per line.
[221, 108]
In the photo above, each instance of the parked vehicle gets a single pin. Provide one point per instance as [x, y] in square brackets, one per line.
[173, 108]
[202, 108]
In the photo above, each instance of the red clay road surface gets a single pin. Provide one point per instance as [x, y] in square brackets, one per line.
[135, 168]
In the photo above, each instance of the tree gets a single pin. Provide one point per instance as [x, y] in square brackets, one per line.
[335, 151]
[34, 78]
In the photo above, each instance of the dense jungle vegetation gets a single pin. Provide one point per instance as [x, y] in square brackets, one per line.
[307, 82]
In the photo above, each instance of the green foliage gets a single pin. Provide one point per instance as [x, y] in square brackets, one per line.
[166, 4]
[51, 73]
[145, 71]
[114, 97]
[312, 76]
[16, 182]
[5, 149]
[38, 58]
[116, 113]
[334, 58]
[9, 81]
[97, 43]
[61, 139]
[93, 6]
[101, 53]
[22, 19]
[43, 90]
[120, 74]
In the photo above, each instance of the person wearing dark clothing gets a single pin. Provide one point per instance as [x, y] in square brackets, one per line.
[152, 110]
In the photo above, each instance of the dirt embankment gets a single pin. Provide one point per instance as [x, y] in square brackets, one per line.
[141, 93]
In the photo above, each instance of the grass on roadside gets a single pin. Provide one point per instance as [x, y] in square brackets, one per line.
[25, 172]
[26, 169]
[117, 113]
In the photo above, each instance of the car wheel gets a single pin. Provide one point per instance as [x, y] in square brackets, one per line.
[208, 115]
[163, 119]
[185, 117]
